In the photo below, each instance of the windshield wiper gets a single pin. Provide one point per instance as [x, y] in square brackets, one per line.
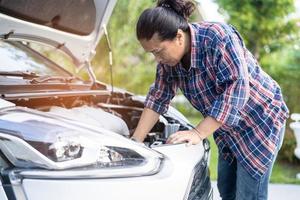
[25, 74]
[47, 78]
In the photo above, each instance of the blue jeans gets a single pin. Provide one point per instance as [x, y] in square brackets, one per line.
[235, 183]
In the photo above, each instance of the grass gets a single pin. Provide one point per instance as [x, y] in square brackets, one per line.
[283, 172]
[213, 165]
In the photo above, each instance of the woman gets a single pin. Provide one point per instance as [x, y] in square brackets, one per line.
[242, 106]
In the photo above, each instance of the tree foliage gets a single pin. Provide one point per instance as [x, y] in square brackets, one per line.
[265, 24]
[133, 69]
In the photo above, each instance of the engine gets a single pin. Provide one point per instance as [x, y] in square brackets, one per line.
[117, 113]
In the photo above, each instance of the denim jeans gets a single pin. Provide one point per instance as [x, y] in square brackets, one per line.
[235, 183]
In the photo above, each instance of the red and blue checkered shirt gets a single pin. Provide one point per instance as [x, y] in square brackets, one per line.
[225, 82]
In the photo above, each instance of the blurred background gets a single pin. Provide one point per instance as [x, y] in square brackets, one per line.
[270, 29]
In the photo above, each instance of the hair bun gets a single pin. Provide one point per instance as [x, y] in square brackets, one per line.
[182, 7]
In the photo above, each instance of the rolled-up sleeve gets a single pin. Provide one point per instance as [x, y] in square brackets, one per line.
[232, 80]
[161, 91]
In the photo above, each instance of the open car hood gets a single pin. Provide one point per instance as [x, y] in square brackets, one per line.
[74, 26]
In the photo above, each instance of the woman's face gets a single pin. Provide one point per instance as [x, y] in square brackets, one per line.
[167, 52]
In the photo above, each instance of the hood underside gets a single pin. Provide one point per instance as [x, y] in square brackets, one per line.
[75, 26]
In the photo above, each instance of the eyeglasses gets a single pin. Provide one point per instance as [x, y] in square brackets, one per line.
[159, 52]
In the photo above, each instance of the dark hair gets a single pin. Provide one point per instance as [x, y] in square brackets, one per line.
[165, 19]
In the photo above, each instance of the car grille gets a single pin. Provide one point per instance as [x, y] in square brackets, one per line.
[201, 186]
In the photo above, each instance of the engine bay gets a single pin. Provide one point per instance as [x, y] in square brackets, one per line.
[116, 112]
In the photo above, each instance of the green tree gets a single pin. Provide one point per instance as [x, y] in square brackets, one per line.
[133, 69]
[265, 24]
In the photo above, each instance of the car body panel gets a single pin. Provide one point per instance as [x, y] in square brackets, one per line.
[81, 47]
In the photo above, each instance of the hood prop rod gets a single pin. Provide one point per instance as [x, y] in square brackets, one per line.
[91, 73]
[110, 57]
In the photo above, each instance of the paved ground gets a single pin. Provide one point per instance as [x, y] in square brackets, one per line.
[276, 192]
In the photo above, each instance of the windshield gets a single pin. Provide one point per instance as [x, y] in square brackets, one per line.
[17, 57]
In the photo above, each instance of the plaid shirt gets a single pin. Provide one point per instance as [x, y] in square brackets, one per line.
[225, 82]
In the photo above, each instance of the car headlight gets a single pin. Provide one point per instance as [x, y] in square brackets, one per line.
[39, 142]
[65, 149]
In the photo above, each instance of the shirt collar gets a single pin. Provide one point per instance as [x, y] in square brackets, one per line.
[193, 45]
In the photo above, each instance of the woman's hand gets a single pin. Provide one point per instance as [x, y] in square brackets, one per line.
[190, 136]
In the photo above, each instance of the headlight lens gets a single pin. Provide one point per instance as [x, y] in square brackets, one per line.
[65, 149]
[118, 156]
[44, 142]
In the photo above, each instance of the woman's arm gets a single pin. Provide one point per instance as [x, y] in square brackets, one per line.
[147, 121]
[156, 103]
[204, 129]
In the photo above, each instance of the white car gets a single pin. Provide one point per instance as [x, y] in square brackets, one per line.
[62, 137]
